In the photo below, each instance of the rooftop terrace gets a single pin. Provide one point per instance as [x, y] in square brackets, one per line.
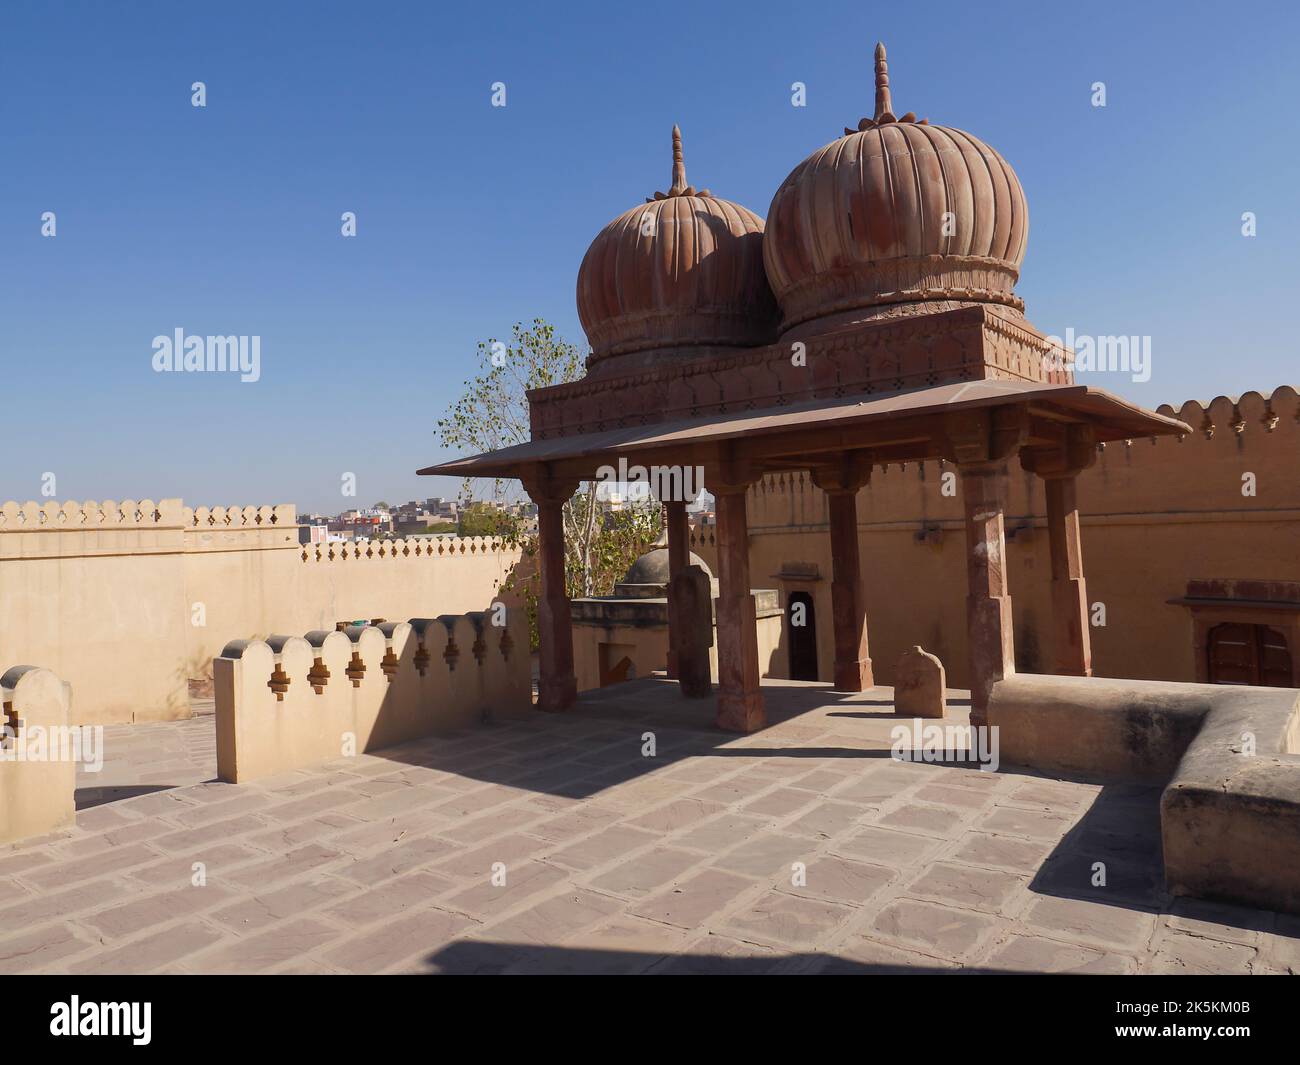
[613, 861]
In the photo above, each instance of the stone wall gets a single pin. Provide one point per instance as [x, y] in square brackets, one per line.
[290, 702]
[128, 601]
[1154, 514]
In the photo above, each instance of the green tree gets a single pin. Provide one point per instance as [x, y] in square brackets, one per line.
[493, 413]
[480, 519]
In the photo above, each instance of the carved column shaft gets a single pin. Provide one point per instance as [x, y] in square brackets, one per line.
[990, 635]
[841, 482]
[1060, 466]
[557, 684]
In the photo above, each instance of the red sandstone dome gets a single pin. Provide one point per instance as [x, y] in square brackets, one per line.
[895, 212]
[679, 275]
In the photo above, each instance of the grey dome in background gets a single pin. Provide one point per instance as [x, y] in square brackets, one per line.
[648, 575]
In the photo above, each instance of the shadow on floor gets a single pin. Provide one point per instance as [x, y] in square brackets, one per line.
[477, 957]
[1113, 854]
[86, 798]
[601, 742]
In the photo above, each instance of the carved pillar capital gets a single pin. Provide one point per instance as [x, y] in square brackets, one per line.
[849, 473]
[543, 486]
[985, 434]
[727, 472]
[1076, 452]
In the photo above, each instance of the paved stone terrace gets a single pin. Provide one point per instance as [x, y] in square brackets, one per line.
[614, 862]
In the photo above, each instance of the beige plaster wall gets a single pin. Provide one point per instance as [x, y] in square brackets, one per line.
[127, 601]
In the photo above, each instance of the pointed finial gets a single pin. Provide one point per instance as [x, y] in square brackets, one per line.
[884, 103]
[679, 186]
[679, 166]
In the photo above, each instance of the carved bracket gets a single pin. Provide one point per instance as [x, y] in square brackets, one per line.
[1076, 454]
[849, 473]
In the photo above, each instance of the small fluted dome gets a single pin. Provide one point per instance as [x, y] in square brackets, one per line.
[896, 211]
[647, 577]
[679, 275]
[652, 567]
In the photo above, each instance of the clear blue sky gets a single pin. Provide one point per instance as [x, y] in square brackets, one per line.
[226, 219]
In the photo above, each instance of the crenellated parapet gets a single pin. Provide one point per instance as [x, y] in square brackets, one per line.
[1237, 415]
[58, 530]
[129, 513]
[252, 517]
[38, 774]
[240, 528]
[71, 529]
[288, 702]
[411, 547]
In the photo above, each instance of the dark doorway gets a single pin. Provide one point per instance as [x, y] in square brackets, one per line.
[1248, 654]
[802, 638]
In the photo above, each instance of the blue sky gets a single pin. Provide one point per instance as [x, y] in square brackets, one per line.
[226, 219]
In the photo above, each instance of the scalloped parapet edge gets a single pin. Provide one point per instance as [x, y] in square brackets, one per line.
[292, 702]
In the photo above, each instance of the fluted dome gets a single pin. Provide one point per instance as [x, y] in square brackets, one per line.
[648, 576]
[897, 211]
[676, 276]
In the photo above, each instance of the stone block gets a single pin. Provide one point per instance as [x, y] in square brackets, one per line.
[919, 684]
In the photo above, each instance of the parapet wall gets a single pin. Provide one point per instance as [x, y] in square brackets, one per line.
[128, 601]
[1230, 815]
[290, 702]
[37, 781]
[1222, 503]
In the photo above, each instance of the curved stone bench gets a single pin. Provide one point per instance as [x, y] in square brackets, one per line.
[1230, 813]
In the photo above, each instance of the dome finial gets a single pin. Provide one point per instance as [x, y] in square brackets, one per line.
[679, 164]
[884, 103]
[679, 186]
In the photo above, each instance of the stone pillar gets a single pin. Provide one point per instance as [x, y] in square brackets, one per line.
[693, 594]
[1060, 465]
[841, 483]
[679, 554]
[740, 703]
[557, 684]
[1071, 638]
[989, 630]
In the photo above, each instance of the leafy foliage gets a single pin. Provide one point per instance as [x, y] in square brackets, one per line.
[492, 413]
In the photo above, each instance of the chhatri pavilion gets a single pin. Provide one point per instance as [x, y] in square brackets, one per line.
[872, 319]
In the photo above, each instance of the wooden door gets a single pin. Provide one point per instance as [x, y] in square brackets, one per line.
[1248, 654]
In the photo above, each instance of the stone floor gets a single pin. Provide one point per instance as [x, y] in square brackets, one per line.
[687, 861]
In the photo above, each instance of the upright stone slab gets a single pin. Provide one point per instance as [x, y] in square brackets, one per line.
[919, 684]
[691, 591]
